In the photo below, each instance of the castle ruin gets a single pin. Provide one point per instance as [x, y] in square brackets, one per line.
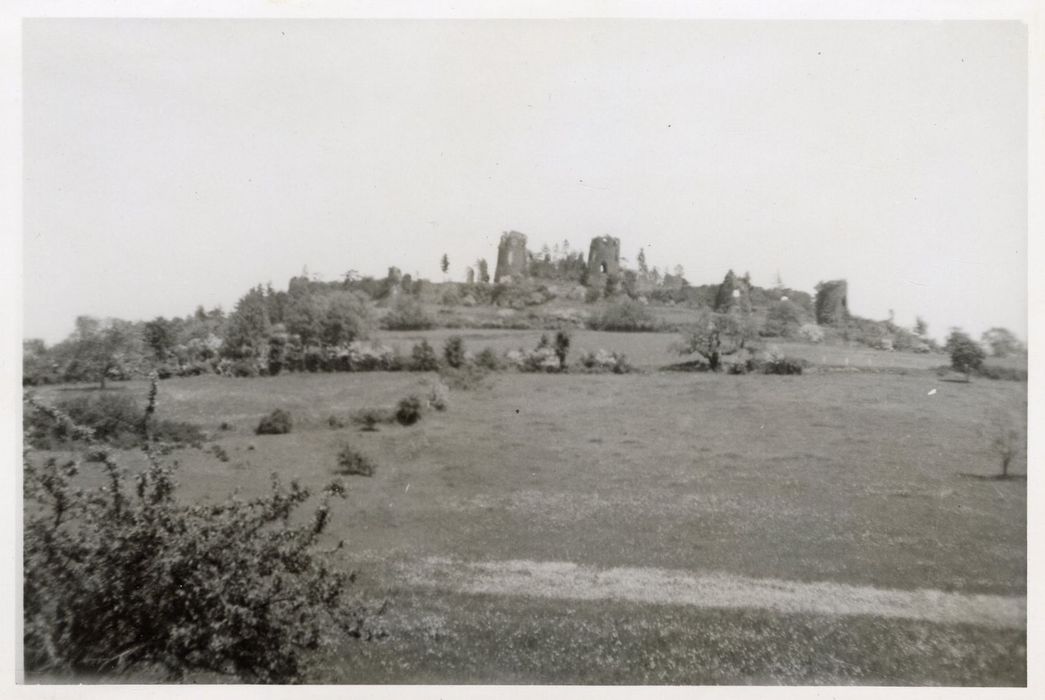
[603, 260]
[511, 258]
[832, 303]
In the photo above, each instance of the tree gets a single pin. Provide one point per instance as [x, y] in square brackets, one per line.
[344, 319]
[966, 354]
[99, 349]
[783, 319]
[562, 347]
[921, 328]
[248, 326]
[159, 335]
[484, 271]
[1002, 342]
[716, 335]
[444, 264]
[641, 260]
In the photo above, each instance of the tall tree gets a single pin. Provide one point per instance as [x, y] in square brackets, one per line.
[484, 271]
[642, 262]
[248, 326]
[444, 264]
[101, 348]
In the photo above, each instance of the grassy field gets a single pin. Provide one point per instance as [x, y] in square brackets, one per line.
[863, 478]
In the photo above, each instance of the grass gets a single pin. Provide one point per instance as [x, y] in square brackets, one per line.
[836, 476]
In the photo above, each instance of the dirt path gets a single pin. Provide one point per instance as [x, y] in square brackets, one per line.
[565, 580]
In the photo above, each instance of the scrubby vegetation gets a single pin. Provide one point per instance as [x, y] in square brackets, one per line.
[278, 422]
[122, 575]
[351, 461]
[626, 315]
[408, 410]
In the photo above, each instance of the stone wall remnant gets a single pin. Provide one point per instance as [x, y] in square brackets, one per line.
[603, 260]
[511, 257]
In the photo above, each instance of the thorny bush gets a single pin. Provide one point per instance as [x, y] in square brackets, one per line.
[123, 575]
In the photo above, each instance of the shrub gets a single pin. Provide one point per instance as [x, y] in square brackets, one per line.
[276, 423]
[423, 359]
[126, 575]
[603, 361]
[439, 396]
[350, 461]
[811, 333]
[408, 410]
[1007, 444]
[783, 365]
[1012, 374]
[784, 319]
[115, 419]
[467, 378]
[489, 359]
[335, 423]
[219, 452]
[627, 315]
[453, 351]
[966, 354]
[370, 418]
[562, 347]
[407, 315]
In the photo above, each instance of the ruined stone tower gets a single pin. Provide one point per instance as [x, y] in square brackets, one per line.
[511, 257]
[603, 260]
[832, 303]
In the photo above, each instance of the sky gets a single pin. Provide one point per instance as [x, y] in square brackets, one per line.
[173, 163]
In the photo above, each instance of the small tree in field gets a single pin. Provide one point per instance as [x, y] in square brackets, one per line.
[966, 354]
[716, 335]
[101, 348]
[444, 264]
[1007, 444]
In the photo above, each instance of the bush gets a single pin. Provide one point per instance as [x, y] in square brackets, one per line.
[335, 423]
[408, 410]
[467, 378]
[1012, 374]
[627, 315]
[489, 359]
[407, 315]
[350, 461]
[453, 351]
[115, 419]
[370, 418]
[811, 333]
[423, 359]
[603, 361]
[783, 365]
[966, 354]
[439, 396]
[276, 423]
[125, 575]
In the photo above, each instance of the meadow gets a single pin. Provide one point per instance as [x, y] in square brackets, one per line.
[512, 537]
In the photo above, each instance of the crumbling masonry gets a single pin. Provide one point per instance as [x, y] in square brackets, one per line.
[603, 260]
[511, 257]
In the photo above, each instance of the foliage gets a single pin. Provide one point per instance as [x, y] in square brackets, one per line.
[100, 350]
[115, 419]
[784, 319]
[966, 354]
[489, 359]
[276, 423]
[783, 365]
[370, 418]
[408, 410]
[248, 327]
[439, 395]
[603, 361]
[467, 378]
[627, 315]
[1002, 342]
[716, 335]
[562, 347]
[124, 575]
[407, 315]
[1007, 443]
[351, 461]
[811, 333]
[422, 358]
[453, 351]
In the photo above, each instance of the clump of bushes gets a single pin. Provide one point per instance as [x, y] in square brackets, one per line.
[627, 315]
[335, 422]
[783, 365]
[467, 378]
[489, 359]
[124, 574]
[439, 396]
[276, 423]
[115, 419]
[602, 361]
[351, 461]
[408, 410]
[423, 358]
[407, 315]
[370, 418]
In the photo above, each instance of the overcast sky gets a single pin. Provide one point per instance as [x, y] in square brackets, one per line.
[170, 163]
